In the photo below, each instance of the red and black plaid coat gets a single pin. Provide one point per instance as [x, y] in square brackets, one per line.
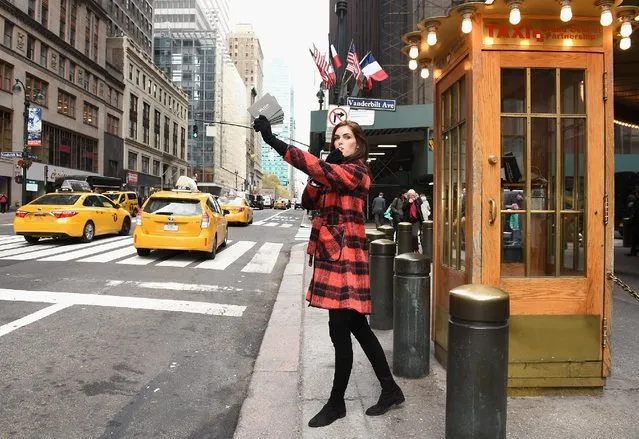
[338, 238]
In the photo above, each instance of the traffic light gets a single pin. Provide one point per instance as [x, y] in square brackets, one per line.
[195, 131]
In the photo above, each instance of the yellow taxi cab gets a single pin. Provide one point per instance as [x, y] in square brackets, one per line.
[126, 199]
[281, 203]
[181, 219]
[239, 210]
[73, 212]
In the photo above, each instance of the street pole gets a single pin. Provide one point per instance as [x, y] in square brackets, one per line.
[25, 138]
[341, 8]
[236, 179]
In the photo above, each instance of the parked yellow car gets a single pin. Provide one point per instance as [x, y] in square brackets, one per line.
[239, 210]
[81, 215]
[127, 200]
[181, 219]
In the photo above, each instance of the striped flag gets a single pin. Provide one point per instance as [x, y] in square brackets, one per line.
[324, 68]
[352, 63]
[336, 61]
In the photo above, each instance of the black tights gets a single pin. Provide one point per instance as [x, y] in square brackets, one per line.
[341, 323]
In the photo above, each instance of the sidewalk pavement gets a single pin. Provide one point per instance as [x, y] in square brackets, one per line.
[7, 217]
[294, 371]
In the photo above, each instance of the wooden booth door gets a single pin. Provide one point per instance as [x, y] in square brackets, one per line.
[543, 198]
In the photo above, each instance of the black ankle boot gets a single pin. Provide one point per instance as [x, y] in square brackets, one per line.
[331, 412]
[387, 399]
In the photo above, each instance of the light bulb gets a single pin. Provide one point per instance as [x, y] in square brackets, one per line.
[624, 44]
[515, 15]
[626, 29]
[431, 39]
[425, 73]
[412, 64]
[566, 12]
[413, 52]
[467, 24]
[606, 16]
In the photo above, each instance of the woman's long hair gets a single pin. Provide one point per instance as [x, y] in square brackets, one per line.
[360, 153]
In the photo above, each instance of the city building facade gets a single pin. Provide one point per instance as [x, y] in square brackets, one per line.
[55, 52]
[245, 51]
[155, 122]
[133, 18]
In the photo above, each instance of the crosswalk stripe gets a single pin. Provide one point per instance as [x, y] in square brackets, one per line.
[286, 225]
[11, 245]
[140, 260]
[111, 256]
[258, 223]
[53, 250]
[11, 238]
[9, 254]
[122, 242]
[228, 256]
[265, 259]
[180, 260]
[271, 224]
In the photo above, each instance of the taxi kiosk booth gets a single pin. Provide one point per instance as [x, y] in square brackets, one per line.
[524, 174]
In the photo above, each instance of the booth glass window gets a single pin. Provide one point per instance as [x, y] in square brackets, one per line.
[453, 188]
[543, 178]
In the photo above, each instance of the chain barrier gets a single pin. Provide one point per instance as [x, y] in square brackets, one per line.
[624, 286]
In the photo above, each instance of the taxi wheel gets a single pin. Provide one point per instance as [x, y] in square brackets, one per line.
[211, 254]
[126, 227]
[31, 239]
[88, 233]
[144, 251]
[226, 237]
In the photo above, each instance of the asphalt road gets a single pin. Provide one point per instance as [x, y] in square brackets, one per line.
[97, 343]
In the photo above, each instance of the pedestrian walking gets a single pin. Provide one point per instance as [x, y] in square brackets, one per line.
[425, 207]
[340, 283]
[3, 203]
[379, 207]
[396, 210]
[412, 213]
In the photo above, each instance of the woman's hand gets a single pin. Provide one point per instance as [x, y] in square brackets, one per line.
[263, 126]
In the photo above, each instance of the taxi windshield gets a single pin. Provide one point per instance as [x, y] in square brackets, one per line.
[173, 206]
[57, 199]
[234, 202]
[113, 197]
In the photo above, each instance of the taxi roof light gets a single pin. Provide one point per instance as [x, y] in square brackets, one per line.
[185, 183]
[75, 186]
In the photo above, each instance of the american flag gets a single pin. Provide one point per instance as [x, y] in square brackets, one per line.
[352, 62]
[323, 67]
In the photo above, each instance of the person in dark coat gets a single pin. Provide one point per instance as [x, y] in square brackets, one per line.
[396, 209]
[338, 189]
[412, 213]
[633, 224]
[379, 207]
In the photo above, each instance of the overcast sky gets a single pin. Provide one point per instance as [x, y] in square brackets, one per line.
[290, 40]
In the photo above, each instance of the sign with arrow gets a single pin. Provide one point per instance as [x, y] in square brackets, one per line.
[335, 115]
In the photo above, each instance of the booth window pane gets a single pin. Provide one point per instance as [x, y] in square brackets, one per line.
[543, 165]
[542, 244]
[445, 193]
[454, 105]
[543, 93]
[513, 90]
[513, 243]
[462, 198]
[454, 166]
[573, 91]
[573, 256]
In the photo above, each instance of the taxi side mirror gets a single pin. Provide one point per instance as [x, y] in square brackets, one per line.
[117, 206]
[226, 211]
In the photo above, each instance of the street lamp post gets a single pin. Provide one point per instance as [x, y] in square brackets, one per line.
[19, 85]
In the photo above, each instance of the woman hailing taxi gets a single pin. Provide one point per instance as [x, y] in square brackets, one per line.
[338, 189]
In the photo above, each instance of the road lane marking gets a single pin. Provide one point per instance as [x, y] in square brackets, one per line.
[217, 309]
[141, 260]
[265, 259]
[11, 238]
[111, 256]
[271, 224]
[117, 242]
[258, 223]
[176, 286]
[228, 256]
[285, 225]
[24, 321]
[50, 251]
[7, 254]
[10, 245]
[179, 260]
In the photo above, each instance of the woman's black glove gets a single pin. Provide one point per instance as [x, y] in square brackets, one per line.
[335, 157]
[263, 126]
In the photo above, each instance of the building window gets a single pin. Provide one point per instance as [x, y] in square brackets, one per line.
[156, 167]
[113, 125]
[37, 90]
[175, 139]
[70, 149]
[96, 25]
[62, 66]
[44, 52]
[167, 127]
[66, 104]
[133, 117]
[72, 71]
[137, 77]
[112, 168]
[156, 130]
[146, 115]
[63, 19]
[87, 34]
[30, 47]
[8, 33]
[182, 143]
[145, 164]
[5, 131]
[6, 76]
[44, 13]
[74, 13]
[133, 161]
[90, 114]
[131, 72]
[31, 9]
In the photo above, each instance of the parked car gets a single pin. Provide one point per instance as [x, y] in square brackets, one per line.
[257, 201]
[268, 202]
[298, 203]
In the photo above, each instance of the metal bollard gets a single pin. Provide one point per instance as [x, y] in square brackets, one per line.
[411, 316]
[380, 256]
[477, 375]
[388, 230]
[404, 238]
[427, 239]
[372, 235]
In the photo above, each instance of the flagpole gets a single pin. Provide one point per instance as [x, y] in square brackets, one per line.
[341, 87]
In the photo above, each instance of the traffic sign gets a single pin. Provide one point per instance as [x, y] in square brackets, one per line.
[11, 154]
[32, 156]
[335, 115]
